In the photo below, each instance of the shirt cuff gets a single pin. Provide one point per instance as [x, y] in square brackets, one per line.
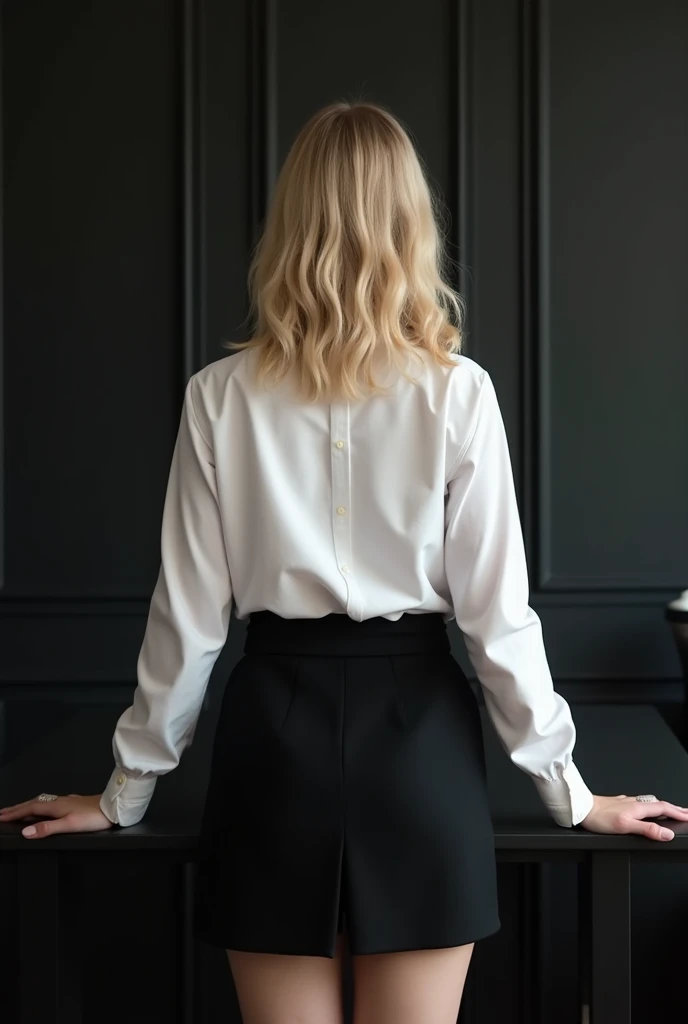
[568, 799]
[125, 800]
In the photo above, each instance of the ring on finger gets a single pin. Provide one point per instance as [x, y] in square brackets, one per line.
[46, 798]
[647, 798]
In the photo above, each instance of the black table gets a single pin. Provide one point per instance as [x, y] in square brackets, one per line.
[620, 749]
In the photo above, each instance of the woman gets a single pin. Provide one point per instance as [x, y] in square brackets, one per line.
[343, 480]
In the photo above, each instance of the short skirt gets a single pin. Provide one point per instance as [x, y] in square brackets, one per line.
[347, 793]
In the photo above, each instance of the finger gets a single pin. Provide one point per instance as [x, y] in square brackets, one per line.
[673, 811]
[649, 829]
[27, 806]
[18, 807]
[42, 829]
[675, 807]
[38, 809]
[657, 809]
[20, 811]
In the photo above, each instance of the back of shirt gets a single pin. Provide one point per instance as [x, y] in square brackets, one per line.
[336, 507]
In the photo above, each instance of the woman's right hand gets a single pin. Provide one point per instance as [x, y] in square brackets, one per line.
[71, 813]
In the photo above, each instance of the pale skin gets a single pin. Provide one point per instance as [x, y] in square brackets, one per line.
[421, 986]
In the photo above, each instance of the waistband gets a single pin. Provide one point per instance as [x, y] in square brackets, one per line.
[337, 635]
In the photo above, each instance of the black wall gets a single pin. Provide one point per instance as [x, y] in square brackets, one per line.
[140, 142]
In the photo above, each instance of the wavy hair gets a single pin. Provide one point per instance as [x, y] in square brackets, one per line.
[350, 263]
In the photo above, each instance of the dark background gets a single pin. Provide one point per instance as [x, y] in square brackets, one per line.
[140, 142]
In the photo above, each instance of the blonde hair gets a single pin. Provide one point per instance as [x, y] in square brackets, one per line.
[350, 263]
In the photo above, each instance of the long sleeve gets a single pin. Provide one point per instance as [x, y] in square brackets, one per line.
[186, 628]
[486, 568]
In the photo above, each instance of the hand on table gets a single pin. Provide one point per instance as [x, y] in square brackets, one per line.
[624, 814]
[71, 813]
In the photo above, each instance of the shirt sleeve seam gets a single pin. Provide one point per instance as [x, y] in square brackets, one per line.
[194, 414]
[474, 427]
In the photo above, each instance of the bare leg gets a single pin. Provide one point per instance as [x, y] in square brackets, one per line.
[274, 988]
[421, 986]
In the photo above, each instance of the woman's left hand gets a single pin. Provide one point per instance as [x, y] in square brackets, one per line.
[71, 813]
[624, 814]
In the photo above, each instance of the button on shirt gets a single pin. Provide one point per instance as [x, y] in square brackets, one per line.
[396, 503]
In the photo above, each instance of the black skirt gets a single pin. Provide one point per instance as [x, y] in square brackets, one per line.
[347, 792]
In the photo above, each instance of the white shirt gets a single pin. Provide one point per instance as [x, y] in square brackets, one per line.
[389, 505]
